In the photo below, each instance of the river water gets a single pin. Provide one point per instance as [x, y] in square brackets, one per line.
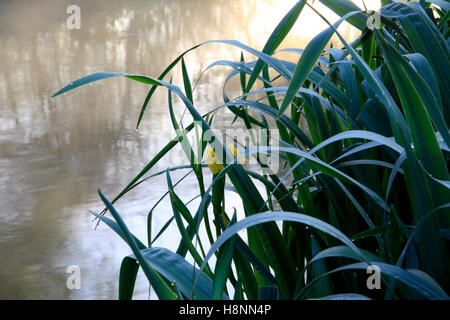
[56, 152]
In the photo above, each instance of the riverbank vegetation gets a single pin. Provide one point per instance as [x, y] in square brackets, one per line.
[364, 146]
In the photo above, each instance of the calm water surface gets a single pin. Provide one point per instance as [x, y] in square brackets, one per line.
[56, 153]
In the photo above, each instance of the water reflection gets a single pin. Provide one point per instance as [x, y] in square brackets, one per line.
[55, 153]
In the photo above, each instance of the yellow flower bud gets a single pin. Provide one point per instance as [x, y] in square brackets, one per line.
[213, 163]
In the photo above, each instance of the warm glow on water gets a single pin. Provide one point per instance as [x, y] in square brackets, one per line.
[56, 153]
[307, 26]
